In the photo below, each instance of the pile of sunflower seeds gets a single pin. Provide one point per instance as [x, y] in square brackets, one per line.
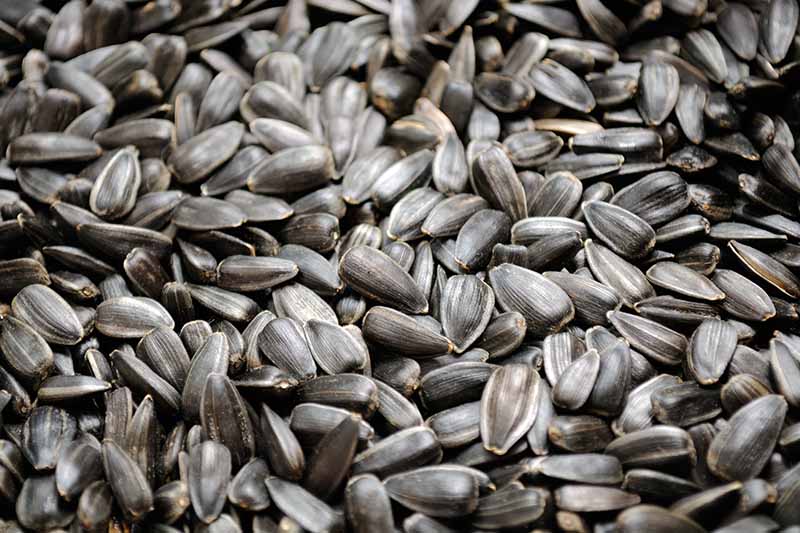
[420, 266]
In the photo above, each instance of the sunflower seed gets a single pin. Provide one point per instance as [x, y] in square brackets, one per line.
[757, 422]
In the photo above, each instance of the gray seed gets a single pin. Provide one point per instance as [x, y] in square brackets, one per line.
[503, 422]
[49, 314]
[311, 513]
[741, 449]
[518, 289]
[654, 340]
[623, 277]
[209, 473]
[128, 483]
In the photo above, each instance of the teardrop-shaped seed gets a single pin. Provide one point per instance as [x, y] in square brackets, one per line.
[592, 300]
[300, 303]
[333, 348]
[654, 519]
[449, 215]
[314, 270]
[582, 498]
[78, 467]
[225, 419]
[457, 426]
[435, 491]
[211, 357]
[493, 177]
[311, 513]
[283, 450]
[529, 149]
[26, 353]
[225, 304]
[51, 147]
[129, 317]
[767, 268]
[710, 350]
[653, 447]
[296, 169]
[45, 435]
[48, 313]
[561, 85]
[703, 50]
[741, 448]
[408, 448]
[575, 383]
[612, 270]
[282, 341]
[785, 371]
[449, 169]
[128, 483]
[408, 215]
[559, 350]
[504, 419]
[331, 460]
[689, 111]
[246, 273]
[66, 388]
[738, 27]
[204, 213]
[373, 274]
[368, 505]
[478, 236]
[683, 280]
[163, 350]
[545, 307]
[558, 196]
[657, 198]
[654, 340]
[619, 229]
[349, 391]
[247, 489]
[778, 25]
[532, 229]
[402, 334]
[467, 305]
[142, 380]
[582, 468]
[209, 473]
[38, 505]
[114, 192]
[201, 155]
